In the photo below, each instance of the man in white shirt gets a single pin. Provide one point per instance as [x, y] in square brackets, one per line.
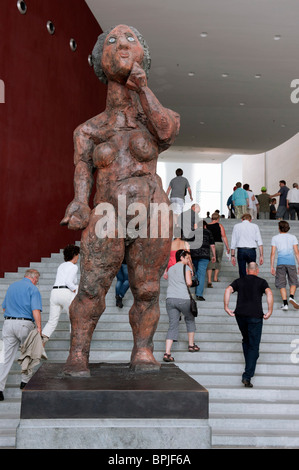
[64, 289]
[246, 237]
[252, 202]
[286, 245]
[293, 201]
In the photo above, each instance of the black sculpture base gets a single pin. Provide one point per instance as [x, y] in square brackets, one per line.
[114, 391]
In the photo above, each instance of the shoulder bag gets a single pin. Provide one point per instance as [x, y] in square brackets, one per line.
[193, 304]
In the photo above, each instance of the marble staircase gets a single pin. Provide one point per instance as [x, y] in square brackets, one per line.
[266, 416]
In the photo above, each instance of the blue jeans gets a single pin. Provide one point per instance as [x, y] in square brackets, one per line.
[245, 255]
[200, 266]
[122, 283]
[251, 330]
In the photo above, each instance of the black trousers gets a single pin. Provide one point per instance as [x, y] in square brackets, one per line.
[251, 330]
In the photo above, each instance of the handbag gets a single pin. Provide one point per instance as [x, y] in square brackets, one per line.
[195, 281]
[193, 304]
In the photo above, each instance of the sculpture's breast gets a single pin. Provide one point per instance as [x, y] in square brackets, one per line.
[104, 154]
[142, 147]
[127, 145]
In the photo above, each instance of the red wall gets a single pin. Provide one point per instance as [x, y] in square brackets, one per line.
[49, 91]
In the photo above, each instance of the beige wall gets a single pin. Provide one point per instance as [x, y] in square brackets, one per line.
[281, 163]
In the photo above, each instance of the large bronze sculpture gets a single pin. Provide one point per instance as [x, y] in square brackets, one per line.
[122, 144]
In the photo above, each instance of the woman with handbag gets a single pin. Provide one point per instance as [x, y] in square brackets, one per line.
[201, 258]
[178, 301]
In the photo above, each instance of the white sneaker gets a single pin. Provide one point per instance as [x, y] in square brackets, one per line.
[293, 302]
[284, 307]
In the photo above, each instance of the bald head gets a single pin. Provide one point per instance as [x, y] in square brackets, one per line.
[252, 269]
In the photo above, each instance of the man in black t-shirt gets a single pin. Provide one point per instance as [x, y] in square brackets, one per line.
[249, 315]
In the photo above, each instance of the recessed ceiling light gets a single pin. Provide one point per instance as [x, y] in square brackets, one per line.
[277, 37]
[203, 35]
[257, 75]
[283, 125]
[191, 74]
[224, 75]
[242, 104]
[202, 123]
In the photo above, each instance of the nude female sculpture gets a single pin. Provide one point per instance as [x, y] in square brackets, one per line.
[122, 145]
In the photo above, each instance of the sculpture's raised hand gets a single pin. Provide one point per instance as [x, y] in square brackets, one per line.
[137, 78]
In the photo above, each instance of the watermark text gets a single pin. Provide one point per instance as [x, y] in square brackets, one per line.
[295, 93]
[137, 220]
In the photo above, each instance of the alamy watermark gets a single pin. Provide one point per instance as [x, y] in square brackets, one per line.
[136, 220]
[295, 353]
[2, 91]
[295, 93]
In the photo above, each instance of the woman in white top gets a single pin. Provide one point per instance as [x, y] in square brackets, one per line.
[64, 289]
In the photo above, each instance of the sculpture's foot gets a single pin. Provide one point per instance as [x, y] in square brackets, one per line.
[76, 373]
[76, 368]
[143, 361]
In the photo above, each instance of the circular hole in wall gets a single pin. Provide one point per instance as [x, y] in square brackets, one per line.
[50, 27]
[90, 60]
[73, 45]
[22, 7]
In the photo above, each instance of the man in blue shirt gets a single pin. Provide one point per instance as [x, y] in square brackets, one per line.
[240, 201]
[22, 313]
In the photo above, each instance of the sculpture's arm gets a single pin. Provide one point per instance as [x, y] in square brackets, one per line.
[78, 211]
[163, 123]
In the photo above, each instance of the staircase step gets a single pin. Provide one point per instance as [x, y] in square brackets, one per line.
[255, 438]
[8, 438]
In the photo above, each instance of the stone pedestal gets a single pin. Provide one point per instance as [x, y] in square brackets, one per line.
[114, 408]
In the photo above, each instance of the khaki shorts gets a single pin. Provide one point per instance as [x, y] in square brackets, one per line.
[284, 272]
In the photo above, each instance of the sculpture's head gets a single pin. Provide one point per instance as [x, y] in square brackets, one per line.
[115, 52]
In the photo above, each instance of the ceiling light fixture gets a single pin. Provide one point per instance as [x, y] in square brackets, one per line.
[224, 75]
[277, 37]
[242, 104]
[203, 35]
[257, 75]
[191, 74]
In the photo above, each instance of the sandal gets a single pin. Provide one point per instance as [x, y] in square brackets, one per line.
[210, 284]
[168, 358]
[193, 348]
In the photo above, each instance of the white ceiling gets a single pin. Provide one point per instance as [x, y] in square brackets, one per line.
[239, 42]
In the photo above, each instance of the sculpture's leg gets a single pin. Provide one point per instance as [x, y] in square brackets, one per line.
[146, 262]
[100, 262]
